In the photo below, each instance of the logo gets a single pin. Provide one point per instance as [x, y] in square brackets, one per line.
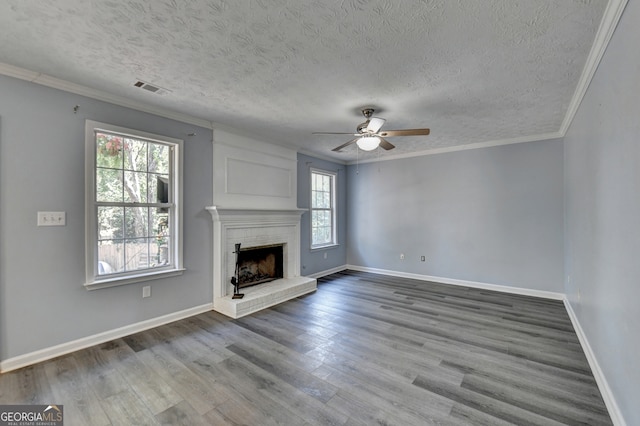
[31, 415]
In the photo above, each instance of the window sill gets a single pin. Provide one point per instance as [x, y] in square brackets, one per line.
[130, 279]
[324, 247]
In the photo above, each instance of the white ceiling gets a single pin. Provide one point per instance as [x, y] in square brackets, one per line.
[474, 71]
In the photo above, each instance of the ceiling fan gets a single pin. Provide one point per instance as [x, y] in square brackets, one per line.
[369, 136]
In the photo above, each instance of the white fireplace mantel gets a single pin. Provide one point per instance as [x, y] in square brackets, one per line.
[252, 228]
[258, 216]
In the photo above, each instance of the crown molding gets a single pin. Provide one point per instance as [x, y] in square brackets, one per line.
[322, 157]
[56, 83]
[478, 145]
[608, 24]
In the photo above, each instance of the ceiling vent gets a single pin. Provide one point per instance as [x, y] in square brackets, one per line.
[151, 87]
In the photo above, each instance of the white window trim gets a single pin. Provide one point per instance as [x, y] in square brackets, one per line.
[93, 280]
[334, 215]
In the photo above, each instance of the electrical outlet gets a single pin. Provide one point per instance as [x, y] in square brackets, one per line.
[423, 259]
[52, 218]
[146, 291]
[401, 256]
[325, 254]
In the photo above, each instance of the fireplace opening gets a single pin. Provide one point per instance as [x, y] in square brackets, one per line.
[257, 265]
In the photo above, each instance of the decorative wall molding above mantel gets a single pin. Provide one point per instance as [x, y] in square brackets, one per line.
[251, 174]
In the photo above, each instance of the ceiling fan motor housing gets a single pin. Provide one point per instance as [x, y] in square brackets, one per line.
[367, 112]
[362, 127]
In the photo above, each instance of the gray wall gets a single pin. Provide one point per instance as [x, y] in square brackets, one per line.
[313, 261]
[42, 298]
[492, 215]
[602, 187]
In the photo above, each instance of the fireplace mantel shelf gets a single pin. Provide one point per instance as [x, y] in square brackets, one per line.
[222, 213]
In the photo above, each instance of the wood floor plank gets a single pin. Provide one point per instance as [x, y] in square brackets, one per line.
[239, 412]
[287, 372]
[363, 349]
[359, 392]
[183, 381]
[157, 394]
[125, 408]
[181, 414]
[249, 381]
[73, 389]
[26, 386]
[99, 366]
[385, 382]
[474, 417]
[564, 410]
[537, 380]
[485, 404]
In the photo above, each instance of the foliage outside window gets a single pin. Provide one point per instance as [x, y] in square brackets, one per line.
[133, 214]
[323, 209]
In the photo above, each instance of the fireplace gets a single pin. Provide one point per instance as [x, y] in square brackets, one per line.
[258, 265]
[257, 231]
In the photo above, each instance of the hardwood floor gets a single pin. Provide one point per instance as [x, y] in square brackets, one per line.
[364, 349]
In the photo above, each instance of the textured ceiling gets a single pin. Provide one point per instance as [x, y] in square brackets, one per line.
[471, 70]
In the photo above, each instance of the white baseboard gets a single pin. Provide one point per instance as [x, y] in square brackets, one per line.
[85, 342]
[328, 272]
[603, 385]
[474, 284]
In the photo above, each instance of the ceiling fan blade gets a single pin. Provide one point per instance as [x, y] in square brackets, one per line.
[333, 133]
[405, 132]
[344, 145]
[385, 144]
[375, 123]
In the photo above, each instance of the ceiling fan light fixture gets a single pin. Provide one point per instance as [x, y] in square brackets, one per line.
[368, 143]
[368, 135]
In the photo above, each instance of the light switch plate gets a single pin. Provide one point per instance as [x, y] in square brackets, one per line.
[52, 218]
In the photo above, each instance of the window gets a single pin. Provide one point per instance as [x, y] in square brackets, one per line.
[133, 205]
[323, 209]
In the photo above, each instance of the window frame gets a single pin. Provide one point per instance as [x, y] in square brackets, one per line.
[333, 209]
[93, 279]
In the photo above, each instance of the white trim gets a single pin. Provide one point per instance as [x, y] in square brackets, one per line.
[56, 83]
[474, 284]
[323, 247]
[96, 339]
[328, 272]
[92, 279]
[130, 279]
[321, 156]
[478, 145]
[250, 146]
[601, 380]
[608, 24]
[334, 208]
